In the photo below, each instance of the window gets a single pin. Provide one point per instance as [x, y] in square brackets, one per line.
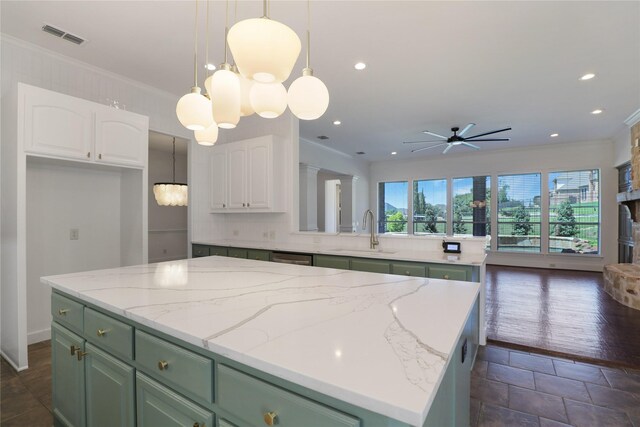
[393, 198]
[471, 206]
[519, 213]
[430, 206]
[574, 212]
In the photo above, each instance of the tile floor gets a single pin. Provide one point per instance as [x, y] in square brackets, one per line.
[25, 397]
[511, 388]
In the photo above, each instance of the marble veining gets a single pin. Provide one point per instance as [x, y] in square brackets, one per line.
[381, 342]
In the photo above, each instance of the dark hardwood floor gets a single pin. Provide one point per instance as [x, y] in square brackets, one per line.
[561, 312]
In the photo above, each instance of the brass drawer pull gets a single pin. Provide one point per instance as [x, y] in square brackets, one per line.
[73, 349]
[63, 311]
[270, 418]
[163, 365]
[102, 332]
[446, 276]
[408, 273]
[100, 156]
[81, 354]
[197, 424]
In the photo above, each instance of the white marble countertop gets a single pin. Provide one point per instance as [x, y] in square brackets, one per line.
[390, 254]
[381, 342]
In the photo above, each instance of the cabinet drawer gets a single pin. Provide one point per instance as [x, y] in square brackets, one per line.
[159, 406]
[184, 370]
[258, 254]
[108, 333]
[224, 423]
[218, 250]
[331, 261]
[448, 273]
[199, 250]
[237, 253]
[67, 312]
[370, 265]
[408, 269]
[249, 399]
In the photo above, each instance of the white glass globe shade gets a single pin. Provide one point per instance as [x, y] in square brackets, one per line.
[308, 98]
[269, 100]
[245, 96]
[194, 111]
[168, 194]
[208, 136]
[264, 50]
[224, 89]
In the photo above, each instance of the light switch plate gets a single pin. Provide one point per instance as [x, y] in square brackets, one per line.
[74, 234]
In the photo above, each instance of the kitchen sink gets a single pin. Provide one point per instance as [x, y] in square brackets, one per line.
[368, 251]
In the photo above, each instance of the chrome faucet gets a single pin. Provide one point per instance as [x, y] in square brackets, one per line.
[373, 240]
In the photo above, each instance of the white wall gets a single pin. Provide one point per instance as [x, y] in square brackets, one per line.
[23, 62]
[583, 155]
[167, 224]
[622, 146]
[61, 197]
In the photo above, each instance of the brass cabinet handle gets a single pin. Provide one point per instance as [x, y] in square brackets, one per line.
[197, 424]
[248, 204]
[73, 349]
[244, 204]
[100, 156]
[163, 365]
[102, 332]
[270, 418]
[81, 354]
[88, 154]
[408, 273]
[63, 311]
[446, 276]
[224, 205]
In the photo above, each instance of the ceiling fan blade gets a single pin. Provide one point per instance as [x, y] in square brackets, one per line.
[489, 133]
[428, 148]
[466, 129]
[487, 139]
[470, 145]
[435, 134]
[418, 142]
[447, 149]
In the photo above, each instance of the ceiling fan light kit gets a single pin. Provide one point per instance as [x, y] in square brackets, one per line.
[458, 139]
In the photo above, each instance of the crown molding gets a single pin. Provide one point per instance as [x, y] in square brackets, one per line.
[325, 148]
[633, 119]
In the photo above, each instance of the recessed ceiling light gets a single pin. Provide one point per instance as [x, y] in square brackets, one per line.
[587, 76]
[553, 135]
[210, 67]
[337, 122]
[597, 111]
[360, 66]
[393, 153]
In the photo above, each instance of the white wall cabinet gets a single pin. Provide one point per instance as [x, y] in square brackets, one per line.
[61, 126]
[247, 176]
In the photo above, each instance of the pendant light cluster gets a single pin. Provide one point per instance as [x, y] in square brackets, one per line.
[171, 193]
[265, 52]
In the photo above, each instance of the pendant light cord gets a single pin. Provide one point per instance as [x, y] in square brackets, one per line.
[174, 159]
[195, 49]
[206, 43]
[226, 32]
[308, 32]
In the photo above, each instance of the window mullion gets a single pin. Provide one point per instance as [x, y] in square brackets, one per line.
[544, 214]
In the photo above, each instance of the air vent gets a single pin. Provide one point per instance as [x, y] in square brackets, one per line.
[62, 34]
[323, 137]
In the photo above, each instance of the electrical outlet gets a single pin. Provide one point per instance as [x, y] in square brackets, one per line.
[74, 234]
[236, 232]
[272, 235]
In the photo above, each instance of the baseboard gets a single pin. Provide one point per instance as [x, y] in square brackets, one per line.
[10, 362]
[38, 336]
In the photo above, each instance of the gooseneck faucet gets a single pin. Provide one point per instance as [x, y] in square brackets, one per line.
[373, 240]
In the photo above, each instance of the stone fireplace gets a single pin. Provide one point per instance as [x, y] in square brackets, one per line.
[622, 281]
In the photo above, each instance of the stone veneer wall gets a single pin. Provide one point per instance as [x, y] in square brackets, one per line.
[622, 282]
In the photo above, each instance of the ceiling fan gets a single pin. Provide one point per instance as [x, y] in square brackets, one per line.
[457, 139]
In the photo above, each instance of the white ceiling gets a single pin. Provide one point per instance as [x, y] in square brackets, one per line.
[431, 65]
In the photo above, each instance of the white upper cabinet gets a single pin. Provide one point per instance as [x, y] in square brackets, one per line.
[121, 138]
[248, 176]
[61, 126]
[56, 125]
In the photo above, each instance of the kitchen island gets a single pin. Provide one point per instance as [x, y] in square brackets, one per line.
[236, 342]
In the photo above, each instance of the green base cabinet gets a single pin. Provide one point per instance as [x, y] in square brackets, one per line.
[159, 406]
[109, 389]
[258, 255]
[332, 261]
[450, 272]
[370, 265]
[408, 269]
[67, 377]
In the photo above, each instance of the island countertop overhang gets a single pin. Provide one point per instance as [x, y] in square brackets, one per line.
[324, 329]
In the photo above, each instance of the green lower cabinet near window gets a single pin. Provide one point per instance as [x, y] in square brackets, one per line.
[370, 265]
[449, 272]
[331, 261]
[109, 389]
[258, 254]
[200, 251]
[67, 377]
[218, 250]
[408, 269]
[237, 253]
[159, 406]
